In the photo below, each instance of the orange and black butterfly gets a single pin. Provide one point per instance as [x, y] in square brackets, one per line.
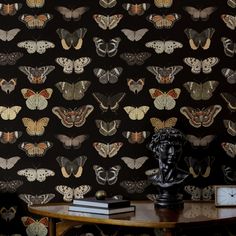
[9, 9]
[9, 137]
[136, 9]
[136, 137]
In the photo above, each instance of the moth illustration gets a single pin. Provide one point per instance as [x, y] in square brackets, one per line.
[202, 39]
[74, 167]
[160, 124]
[107, 128]
[230, 99]
[108, 76]
[109, 176]
[9, 113]
[164, 100]
[167, 46]
[229, 20]
[201, 91]
[8, 214]
[229, 174]
[30, 199]
[200, 141]
[134, 163]
[10, 186]
[232, 3]
[107, 149]
[135, 58]
[198, 193]
[9, 137]
[136, 9]
[73, 91]
[200, 14]
[134, 187]
[8, 163]
[10, 58]
[230, 126]
[136, 86]
[201, 65]
[107, 3]
[73, 117]
[134, 35]
[229, 46]
[201, 117]
[164, 75]
[8, 35]
[72, 14]
[229, 74]
[163, 3]
[73, 65]
[136, 113]
[107, 22]
[36, 100]
[69, 192]
[35, 3]
[74, 39]
[36, 75]
[109, 102]
[136, 137]
[35, 21]
[229, 148]
[35, 149]
[35, 227]
[10, 9]
[163, 21]
[106, 48]
[8, 86]
[35, 127]
[72, 142]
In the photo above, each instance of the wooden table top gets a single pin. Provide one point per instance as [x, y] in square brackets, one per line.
[194, 213]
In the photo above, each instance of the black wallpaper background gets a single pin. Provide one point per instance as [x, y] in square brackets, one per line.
[88, 49]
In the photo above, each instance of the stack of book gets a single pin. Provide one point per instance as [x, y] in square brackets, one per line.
[108, 206]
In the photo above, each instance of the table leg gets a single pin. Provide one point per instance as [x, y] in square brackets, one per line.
[52, 227]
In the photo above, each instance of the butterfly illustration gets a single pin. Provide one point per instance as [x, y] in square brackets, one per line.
[136, 86]
[107, 128]
[70, 65]
[136, 9]
[107, 22]
[202, 39]
[72, 14]
[201, 117]
[229, 174]
[8, 86]
[36, 174]
[9, 137]
[232, 3]
[74, 167]
[167, 46]
[136, 113]
[164, 21]
[200, 141]
[36, 100]
[35, 149]
[30, 199]
[230, 99]
[9, 9]
[72, 142]
[107, 149]
[36, 75]
[35, 227]
[230, 126]
[201, 65]
[35, 127]
[198, 194]
[135, 58]
[229, 20]
[106, 48]
[164, 75]
[35, 3]
[74, 39]
[108, 102]
[9, 113]
[164, 100]
[229, 74]
[33, 46]
[229, 148]
[109, 176]
[73, 117]
[163, 3]
[134, 163]
[134, 35]
[134, 187]
[108, 76]
[160, 124]
[9, 34]
[35, 21]
[199, 167]
[69, 193]
[10, 58]
[107, 3]
[229, 46]
[73, 91]
[199, 14]
[8, 214]
[8, 163]
[136, 137]
[10, 186]
[201, 91]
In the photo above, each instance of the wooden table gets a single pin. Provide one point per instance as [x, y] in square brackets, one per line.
[194, 214]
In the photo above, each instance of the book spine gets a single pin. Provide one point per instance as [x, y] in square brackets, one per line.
[102, 205]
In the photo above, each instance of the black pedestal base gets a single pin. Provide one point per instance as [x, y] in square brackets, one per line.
[169, 201]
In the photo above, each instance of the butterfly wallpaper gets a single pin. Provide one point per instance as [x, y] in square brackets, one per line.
[84, 85]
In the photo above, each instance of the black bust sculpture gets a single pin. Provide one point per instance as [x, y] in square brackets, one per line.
[167, 145]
